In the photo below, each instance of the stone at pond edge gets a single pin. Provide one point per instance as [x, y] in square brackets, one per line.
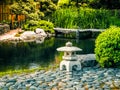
[87, 60]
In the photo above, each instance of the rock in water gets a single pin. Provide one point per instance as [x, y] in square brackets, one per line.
[40, 32]
[28, 35]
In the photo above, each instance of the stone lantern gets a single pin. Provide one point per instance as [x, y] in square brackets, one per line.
[69, 61]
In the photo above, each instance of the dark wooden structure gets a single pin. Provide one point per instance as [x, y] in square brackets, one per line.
[7, 17]
[4, 13]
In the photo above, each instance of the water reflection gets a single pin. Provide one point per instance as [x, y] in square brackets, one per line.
[25, 55]
[40, 40]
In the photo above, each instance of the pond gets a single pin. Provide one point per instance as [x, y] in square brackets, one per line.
[27, 55]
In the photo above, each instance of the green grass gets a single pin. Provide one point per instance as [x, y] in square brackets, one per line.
[27, 71]
[64, 18]
[85, 18]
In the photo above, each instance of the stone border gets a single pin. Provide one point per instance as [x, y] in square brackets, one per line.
[77, 33]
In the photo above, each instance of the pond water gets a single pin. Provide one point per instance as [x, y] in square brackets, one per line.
[32, 55]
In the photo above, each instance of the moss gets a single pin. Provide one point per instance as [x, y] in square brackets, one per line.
[17, 35]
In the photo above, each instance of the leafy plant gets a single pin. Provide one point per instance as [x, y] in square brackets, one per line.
[107, 47]
[28, 9]
[32, 25]
[63, 3]
[47, 7]
[47, 26]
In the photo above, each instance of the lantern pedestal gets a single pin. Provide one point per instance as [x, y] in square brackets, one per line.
[70, 65]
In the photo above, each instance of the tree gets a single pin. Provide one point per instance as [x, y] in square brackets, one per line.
[47, 6]
[28, 8]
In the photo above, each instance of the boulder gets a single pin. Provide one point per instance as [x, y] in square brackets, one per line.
[87, 60]
[28, 35]
[38, 35]
[40, 32]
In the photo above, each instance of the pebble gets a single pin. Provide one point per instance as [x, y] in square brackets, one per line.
[90, 77]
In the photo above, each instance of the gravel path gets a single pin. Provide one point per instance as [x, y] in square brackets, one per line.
[89, 78]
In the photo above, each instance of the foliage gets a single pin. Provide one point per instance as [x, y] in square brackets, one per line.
[54, 1]
[15, 8]
[107, 4]
[47, 26]
[33, 16]
[91, 18]
[108, 47]
[27, 8]
[47, 6]
[63, 3]
[34, 13]
[32, 25]
[81, 18]
[64, 18]
[70, 17]
[21, 7]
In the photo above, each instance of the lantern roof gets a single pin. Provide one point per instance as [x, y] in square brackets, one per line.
[69, 48]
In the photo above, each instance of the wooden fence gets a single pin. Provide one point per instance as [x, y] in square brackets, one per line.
[7, 17]
[4, 13]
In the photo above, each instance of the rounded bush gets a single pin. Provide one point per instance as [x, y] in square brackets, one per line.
[107, 47]
[32, 25]
[46, 25]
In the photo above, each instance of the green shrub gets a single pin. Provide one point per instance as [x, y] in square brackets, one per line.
[47, 26]
[33, 16]
[47, 6]
[107, 47]
[32, 25]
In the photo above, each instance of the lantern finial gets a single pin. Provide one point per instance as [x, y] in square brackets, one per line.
[68, 44]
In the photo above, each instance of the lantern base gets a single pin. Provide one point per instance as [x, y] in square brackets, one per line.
[70, 65]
